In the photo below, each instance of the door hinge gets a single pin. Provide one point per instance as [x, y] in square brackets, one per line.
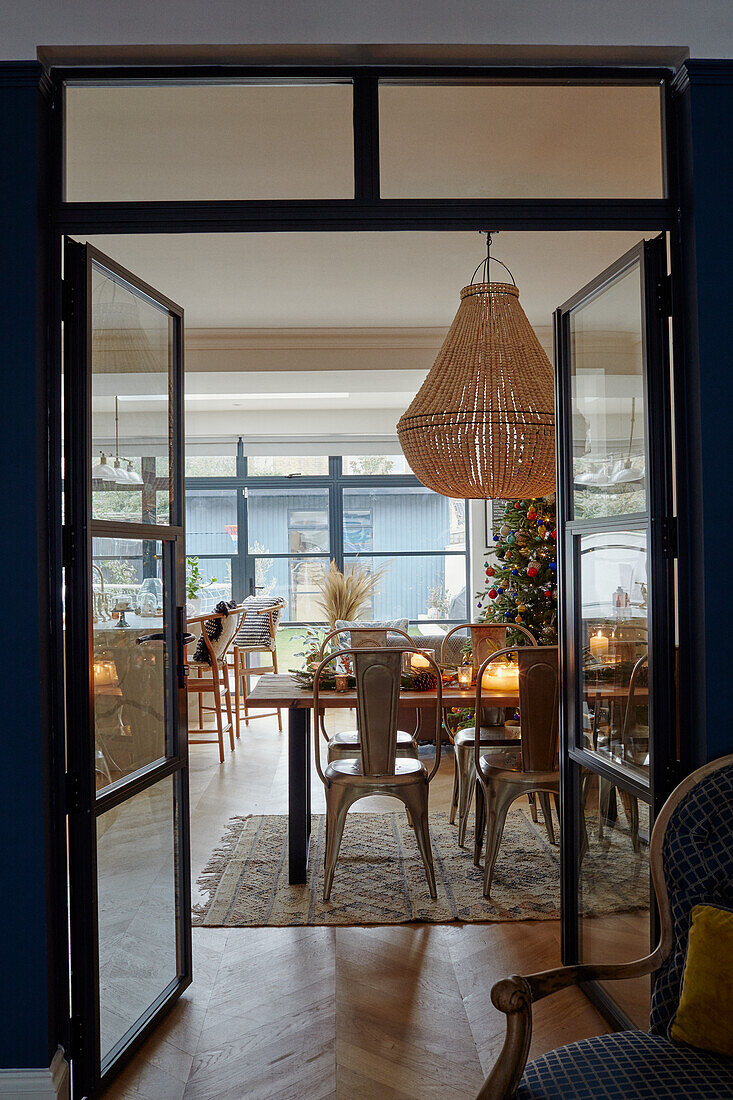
[73, 793]
[68, 541]
[68, 299]
[670, 547]
[664, 296]
[76, 1037]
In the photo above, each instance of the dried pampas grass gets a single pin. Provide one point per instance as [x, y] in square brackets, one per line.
[346, 595]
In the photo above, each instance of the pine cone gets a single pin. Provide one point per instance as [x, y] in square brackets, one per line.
[424, 681]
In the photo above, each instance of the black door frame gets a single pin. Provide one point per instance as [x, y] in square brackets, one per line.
[83, 805]
[365, 212]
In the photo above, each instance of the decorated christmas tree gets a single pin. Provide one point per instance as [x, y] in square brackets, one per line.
[521, 570]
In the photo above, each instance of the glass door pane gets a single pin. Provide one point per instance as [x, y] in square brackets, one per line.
[125, 686]
[616, 625]
[608, 400]
[132, 388]
[136, 890]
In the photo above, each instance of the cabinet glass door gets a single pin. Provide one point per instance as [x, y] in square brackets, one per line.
[616, 615]
[127, 757]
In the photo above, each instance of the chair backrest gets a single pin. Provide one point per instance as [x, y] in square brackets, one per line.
[539, 701]
[486, 638]
[691, 856]
[229, 627]
[378, 674]
[367, 637]
[260, 622]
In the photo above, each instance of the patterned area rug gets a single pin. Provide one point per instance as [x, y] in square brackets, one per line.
[380, 877]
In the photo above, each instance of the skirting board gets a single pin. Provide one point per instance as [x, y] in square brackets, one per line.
[37, 1084]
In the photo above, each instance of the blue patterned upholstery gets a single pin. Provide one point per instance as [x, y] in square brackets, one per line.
[627, 1065]
[698, 867]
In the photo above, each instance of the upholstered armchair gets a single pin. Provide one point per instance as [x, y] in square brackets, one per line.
[691, 857]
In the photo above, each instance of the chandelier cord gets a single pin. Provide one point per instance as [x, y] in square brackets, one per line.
[487, 261]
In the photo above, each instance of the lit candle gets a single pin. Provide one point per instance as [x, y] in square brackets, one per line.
[465, 676]
[105, 672]
[499, 677]
[599, 646]
[418, 662]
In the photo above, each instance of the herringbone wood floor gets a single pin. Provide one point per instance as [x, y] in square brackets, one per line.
[385, 1013]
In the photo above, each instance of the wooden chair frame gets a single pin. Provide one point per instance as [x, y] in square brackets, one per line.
[515, 996]
[217, 684]
[242, 670]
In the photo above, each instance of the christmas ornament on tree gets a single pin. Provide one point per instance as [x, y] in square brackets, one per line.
[524, 571]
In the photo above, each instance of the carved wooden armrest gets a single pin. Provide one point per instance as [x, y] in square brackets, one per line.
[514, 997]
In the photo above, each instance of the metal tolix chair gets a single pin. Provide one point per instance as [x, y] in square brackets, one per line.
[377, 769]
[346, 743]
[538, 773]
[485, 639]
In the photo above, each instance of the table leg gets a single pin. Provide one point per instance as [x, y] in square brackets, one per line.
[299, 792]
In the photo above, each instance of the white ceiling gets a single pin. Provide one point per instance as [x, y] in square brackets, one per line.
[314, 280]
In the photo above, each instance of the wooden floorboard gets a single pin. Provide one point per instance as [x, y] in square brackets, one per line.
[397, 1012]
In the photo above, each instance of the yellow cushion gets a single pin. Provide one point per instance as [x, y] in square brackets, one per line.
[704, 1017]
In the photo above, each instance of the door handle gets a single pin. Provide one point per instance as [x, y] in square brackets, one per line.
[181, 638]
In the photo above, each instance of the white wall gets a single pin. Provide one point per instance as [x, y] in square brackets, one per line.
[705, 26]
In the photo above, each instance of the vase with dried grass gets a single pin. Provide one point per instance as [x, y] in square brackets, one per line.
[347, 595]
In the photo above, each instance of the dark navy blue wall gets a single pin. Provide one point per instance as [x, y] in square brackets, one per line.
[706, 527]
[26, 1035]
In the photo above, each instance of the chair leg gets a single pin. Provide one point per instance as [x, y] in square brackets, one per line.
[466, 783]
[605, 791]
[275, 670]
[219, 727]
[498, 801]
[416, 801]
[532, 806]
[230, 716]
[630, 804]
[337, 807]
[245, 688]
[236, 688]
[478, 840]
[454, 793]
[547, 814]
[556, 797]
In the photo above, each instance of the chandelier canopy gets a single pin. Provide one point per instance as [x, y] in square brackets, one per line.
[482, 424]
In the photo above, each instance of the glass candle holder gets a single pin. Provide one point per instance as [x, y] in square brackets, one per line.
[465, 677]
[342, 681]
[498, 677]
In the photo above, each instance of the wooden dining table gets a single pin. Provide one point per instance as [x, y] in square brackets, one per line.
[279, 690]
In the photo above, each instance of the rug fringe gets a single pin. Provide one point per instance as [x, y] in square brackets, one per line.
[216, 865]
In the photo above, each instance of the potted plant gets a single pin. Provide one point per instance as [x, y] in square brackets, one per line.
[195, 585]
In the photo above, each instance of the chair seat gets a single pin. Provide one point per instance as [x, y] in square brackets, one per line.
[512, 770]
[487, 734]
[627, 1065]
[407, 768]
[350, 739]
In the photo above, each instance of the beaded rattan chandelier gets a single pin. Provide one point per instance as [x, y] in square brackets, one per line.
[482, 424]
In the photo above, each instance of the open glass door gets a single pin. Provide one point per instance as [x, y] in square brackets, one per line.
[615, 527]
[125, 663]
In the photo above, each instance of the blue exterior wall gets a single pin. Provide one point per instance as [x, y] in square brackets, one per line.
[397, 520]
[27, 1035]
